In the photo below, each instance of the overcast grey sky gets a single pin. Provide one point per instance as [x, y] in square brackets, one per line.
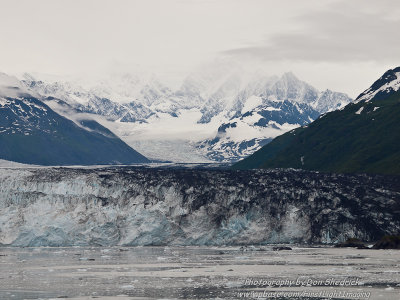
[338, 44]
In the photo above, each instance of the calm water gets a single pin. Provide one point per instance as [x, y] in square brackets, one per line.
[198, 273]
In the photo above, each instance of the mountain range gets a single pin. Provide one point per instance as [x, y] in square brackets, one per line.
[216, 114]
[31, 132]
[362, 137]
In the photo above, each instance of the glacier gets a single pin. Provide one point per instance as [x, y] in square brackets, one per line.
[133, 206]
[152, 117]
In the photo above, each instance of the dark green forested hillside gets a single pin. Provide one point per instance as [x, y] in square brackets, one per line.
[32, 133]
[363, 137]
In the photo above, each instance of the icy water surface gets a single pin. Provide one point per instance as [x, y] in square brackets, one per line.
[198, 273]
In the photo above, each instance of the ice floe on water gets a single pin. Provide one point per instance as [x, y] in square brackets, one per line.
[198, 273]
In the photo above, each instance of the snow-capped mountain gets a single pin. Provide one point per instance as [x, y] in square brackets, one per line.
[220, 112]
[291, 88]
[388, 83]
[255, 127]
[281, 105]
[328, 101]
[31, 132]
[89, 101]
[363, 137]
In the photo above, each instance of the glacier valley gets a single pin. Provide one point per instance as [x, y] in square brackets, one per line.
[220, 113]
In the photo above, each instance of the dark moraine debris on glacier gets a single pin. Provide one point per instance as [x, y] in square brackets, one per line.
[156, 206]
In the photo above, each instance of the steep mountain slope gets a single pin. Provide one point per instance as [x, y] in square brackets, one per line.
[244, 134]
[93, 102]
[31, 132]
[281, 105]
[362, 137]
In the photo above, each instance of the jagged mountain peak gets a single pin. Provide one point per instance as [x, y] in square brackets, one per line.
[329, 100]
[327, 91]
[363, 137]
[208, 81]
[289, 87]
[389, 82]
[213, 96]
[10, 86]
[28, 76]
[290, 77]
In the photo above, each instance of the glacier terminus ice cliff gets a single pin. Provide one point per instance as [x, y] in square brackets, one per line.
[131, 206]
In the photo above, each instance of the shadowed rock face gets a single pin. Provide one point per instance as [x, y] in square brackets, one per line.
[141, 206]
